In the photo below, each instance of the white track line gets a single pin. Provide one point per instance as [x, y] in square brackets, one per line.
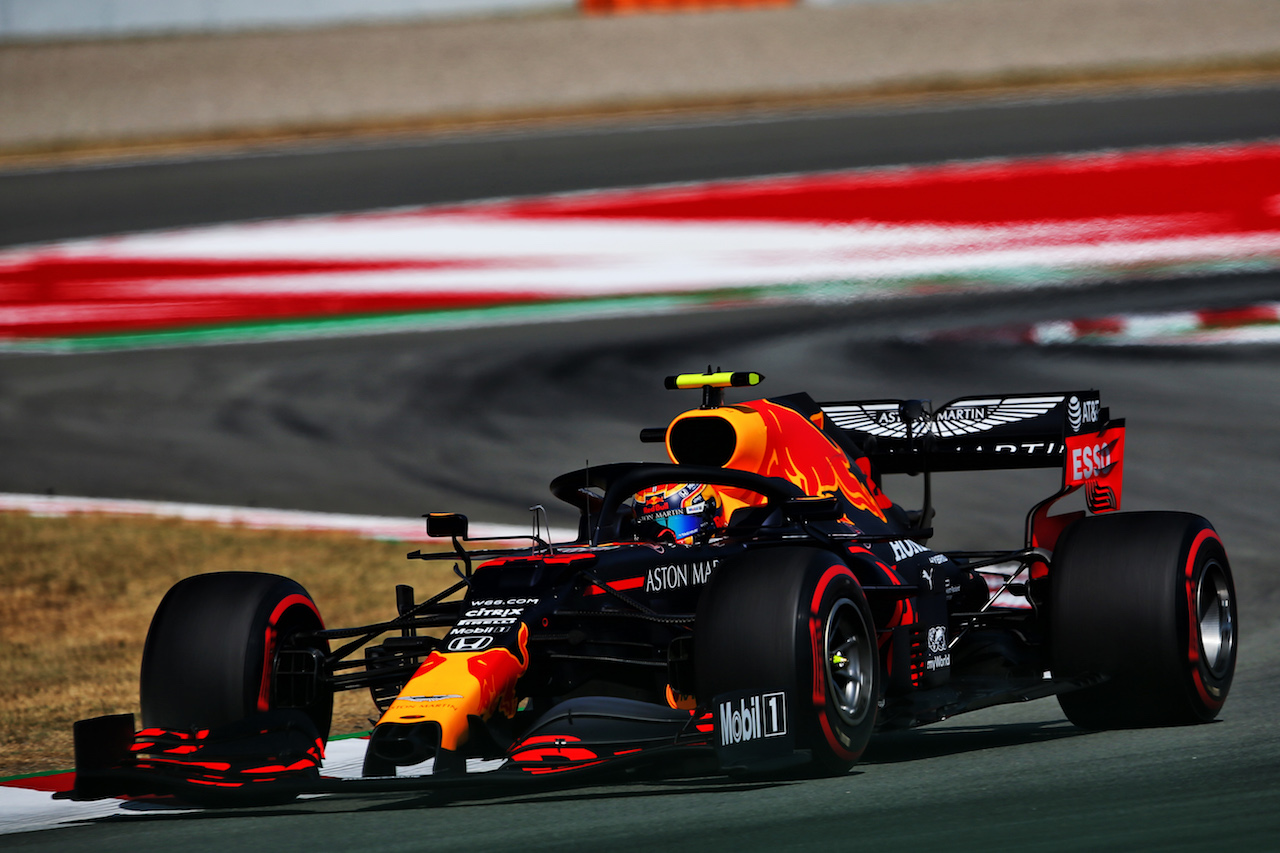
[368, 526]
[27, 810]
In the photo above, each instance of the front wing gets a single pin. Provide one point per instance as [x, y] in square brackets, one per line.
[276, 757]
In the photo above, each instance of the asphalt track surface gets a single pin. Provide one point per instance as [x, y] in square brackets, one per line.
[479, 420]
[40, 205]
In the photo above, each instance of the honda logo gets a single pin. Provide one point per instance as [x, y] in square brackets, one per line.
[469, 644]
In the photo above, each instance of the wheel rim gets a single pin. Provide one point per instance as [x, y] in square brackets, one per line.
[850, 658]
[1216, 622]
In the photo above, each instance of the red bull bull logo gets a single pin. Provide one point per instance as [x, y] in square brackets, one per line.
[776, 441]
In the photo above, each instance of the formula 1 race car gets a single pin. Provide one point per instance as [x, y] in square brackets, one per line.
[756, 606]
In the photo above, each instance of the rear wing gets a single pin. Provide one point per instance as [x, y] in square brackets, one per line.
[1071, 430]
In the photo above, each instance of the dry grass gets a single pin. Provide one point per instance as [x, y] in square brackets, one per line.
[78, 594]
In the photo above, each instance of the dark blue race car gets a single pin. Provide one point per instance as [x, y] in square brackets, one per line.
[757, 605]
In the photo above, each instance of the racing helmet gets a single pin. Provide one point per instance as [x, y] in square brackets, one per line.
[676, 512]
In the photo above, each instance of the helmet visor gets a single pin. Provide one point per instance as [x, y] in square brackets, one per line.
[683, 526]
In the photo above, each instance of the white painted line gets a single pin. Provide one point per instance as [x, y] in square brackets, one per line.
[442, 255]
[368, 526]
[23, 810]
[26, 810]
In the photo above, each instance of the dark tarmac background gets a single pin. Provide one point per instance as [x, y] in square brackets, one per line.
[480, 420]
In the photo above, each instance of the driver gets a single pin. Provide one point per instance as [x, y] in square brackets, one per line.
[678, 513]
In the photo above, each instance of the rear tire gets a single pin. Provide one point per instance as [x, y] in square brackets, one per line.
[761, 623]
[1147, 601]
[209, 652]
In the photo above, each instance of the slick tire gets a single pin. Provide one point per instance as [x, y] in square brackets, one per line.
[208, 659]
[796, 619]
[1146, 601]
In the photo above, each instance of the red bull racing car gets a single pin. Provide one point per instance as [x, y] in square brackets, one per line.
[756, 605]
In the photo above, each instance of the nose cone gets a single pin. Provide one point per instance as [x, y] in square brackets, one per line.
[435, 710]
[404, 744]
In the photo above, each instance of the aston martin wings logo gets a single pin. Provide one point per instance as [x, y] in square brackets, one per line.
[878, 419]
[962, 417]
[965, 417]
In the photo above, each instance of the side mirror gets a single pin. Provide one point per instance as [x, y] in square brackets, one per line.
[812, 508]
[446, 524]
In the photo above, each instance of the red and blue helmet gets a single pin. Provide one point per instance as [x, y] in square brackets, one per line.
[676, 512]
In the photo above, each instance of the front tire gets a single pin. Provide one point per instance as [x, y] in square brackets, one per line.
[1145, 600]
[795, 618]
[209, 654]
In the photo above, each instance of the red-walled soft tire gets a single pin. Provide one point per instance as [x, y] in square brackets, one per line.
[208, 656]
[794, 618]
[1145, 600]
